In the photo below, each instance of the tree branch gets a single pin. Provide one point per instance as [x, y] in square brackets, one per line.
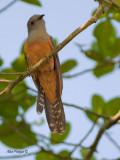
[92, 69]
[5, 80]
[113, 141]
[57, 141]
[6, 7]
[83, 139]
[104, 127]
[37, 152]
[16, 73]
[18, 132]
[14, 94]
[19, 156]
[115, 4]
[88, 111]
[92, 20]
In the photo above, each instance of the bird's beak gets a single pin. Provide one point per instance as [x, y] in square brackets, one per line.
[41, 16]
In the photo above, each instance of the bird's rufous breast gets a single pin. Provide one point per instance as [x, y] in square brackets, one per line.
[34, 52]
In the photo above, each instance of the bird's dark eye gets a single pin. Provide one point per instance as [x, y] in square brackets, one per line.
[32, 22]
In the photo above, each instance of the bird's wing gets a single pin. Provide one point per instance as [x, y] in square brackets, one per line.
[55, 112]
[58, 73]
[40, 99]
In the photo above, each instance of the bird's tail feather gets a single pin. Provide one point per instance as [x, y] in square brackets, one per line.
[55, 116]
[40, 102]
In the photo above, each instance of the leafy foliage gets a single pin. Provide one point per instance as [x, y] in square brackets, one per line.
[68, 65]
[19, 64]
[50, 156]
[56, 137]
[84, 153]
[99, 106]
[104, 49]
[45, 155]
[1, 62]
[33, 2]
[8, 135]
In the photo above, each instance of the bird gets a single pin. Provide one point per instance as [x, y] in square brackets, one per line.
[48, 77]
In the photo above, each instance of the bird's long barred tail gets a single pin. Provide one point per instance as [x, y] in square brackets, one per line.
[55, 116]
[40, 101]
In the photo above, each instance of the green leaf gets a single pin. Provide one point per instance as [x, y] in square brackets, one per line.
[112, 107]
[116, 16]
[64, 152]
[27, 101]
[8, 109]
[116, 48]
[114, 13]
[33, 2]
[21, 97]
[84, 153]
[100, 71]
[11, 102]
[39, 123]
[90, 116]
[57, 137]
[48, 156]
[106, 37]
[19, 64]
[9, 70]
[92, 54]
[55, 41]
[1, 62]
[118, 1]
[45, 156]
[95, 48]
[97, 104]
[68, 65]
[22, 48]
[8, 135]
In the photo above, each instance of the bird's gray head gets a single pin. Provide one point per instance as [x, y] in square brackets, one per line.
[36, 22]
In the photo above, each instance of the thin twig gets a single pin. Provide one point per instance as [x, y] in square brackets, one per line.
[9, 5]
[85, 137]
[11, 74]
[19, 132]
[92, 69]
[111, 139]
[92, 20]
[115, 4]
[5, 80]
[37, 152]
[57, 141]
[30, 142]
[88, 111]
[14, 94]
[19, 156]
[78, 74]
[31, 89]
[16, 130]
[104, 127]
